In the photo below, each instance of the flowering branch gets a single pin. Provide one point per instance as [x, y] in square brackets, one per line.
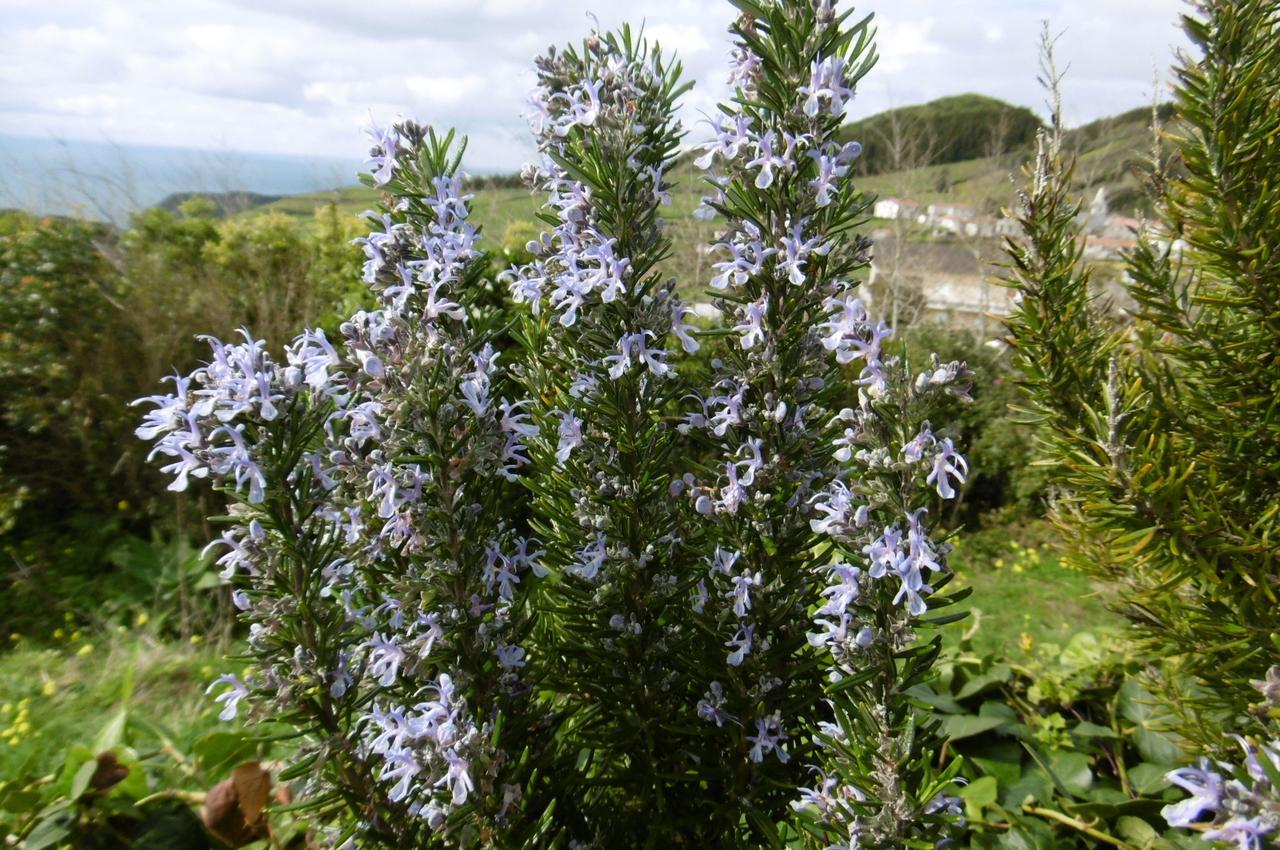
[818, 504]
[602, 317]
[379, 578]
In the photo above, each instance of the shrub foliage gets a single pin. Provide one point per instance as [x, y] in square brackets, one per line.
[1164, 432]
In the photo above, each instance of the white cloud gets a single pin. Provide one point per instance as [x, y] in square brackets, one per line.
[445, 90]
[303, 76]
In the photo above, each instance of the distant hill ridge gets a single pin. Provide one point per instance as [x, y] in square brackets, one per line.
[1107, 149]
[966, 129]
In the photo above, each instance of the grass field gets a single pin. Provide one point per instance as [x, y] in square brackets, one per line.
[1023, 596]
[64, 692]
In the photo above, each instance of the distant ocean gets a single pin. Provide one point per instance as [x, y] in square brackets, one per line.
[107, 181]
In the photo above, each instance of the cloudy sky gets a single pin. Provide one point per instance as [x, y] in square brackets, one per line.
[304, 76]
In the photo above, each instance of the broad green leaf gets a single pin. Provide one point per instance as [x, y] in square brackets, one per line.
[1148, 779]
[80, 782]
[112, 734]
[996, 708]
[1135, 830]
[997, 675]
[1085, 729]
[14, 799]
[173, 826]
[1034, 786]
[1027, 834]
[1003, 760]
[77, 757]
[1148, 810]
[1083, 650]
[1137, 705]
[134, 786]
[51, 832]
[1156, 746]
[1107, 791]
[208, 581]
[979, 794]
[219, 749]
[941, 701]
[959, 726]
[1072, 770]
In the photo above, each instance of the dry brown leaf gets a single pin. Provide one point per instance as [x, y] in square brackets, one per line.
[283, 795]
[233, 809]
[253, 787]
[109, 772]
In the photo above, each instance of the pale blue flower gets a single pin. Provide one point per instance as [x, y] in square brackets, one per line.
[437, 305]
[796, 250]
[393, 730]
[747, 256]
[743, 67]
[768, 739]
[699, 597]
[947, 464]
[476, 395]
[766, 160]
[511, 657]
[741, 645]
[457, 778]
[402, 767]
[741, 592]
[591, 559]
[385, 658]
[230, 698]
[723, 560]
[827, 83]
[1246, 833]
[751, 328]
[570, 434]
[754, 461]
[514, 420]
[730, 141]
[683, 329]
[1205, 787]
[527, 555]
[383, 155]
[711, 707]
[732, 493]
[844, 592]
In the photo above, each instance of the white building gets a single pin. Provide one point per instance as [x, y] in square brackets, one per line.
[894, 208]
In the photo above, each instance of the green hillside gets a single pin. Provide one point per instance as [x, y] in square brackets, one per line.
[949, 129]
[1108, 151]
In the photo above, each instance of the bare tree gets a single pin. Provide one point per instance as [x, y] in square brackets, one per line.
[909, 147]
